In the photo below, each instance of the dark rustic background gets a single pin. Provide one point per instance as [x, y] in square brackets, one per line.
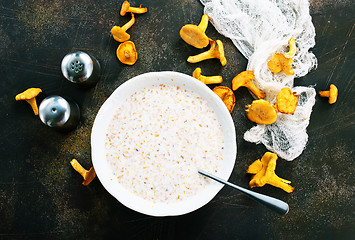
[41, 196]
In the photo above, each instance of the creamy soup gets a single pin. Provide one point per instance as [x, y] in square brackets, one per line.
[157, 140]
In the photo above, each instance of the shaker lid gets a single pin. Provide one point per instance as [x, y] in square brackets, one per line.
[77, 66]
[54, 111]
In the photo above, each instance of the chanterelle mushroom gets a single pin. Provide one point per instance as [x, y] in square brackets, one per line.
[119, 33]
[126, 7]
[292, 48]
[244, 79]
[264, 171]
[87, 175]
[227, 96]
[261, 112]
[280, 63]
[206, 80]
[30, 96]
[332, 94]
[213, 52]
[286, 101]
[195, 35]
[126, 53]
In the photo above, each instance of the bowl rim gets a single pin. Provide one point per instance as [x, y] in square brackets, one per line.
[104, 116]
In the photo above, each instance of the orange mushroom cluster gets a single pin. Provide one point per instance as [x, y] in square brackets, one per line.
[262, 112]
[195, 36]
[126, 51]
[264, 173]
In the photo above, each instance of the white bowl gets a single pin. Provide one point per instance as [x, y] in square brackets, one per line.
[106, 113]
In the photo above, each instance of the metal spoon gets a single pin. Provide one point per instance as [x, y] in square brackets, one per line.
[270, 202]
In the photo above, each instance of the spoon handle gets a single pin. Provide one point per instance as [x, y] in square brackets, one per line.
[270, 202]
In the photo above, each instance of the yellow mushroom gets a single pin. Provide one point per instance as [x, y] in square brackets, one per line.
[126, 7]
[280, 63]
[30, 96]
[264, 171]
[244, 79]
[292, 48]
[195, 35]
[206, 80]
[286, 101]
[126, 53]
[261, 112]
[227, 96]
[213, 52]
[119, 33]
[332, 94]
[87, 175]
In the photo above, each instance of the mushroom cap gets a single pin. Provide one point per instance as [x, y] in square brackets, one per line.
[261, 112]
[286, 101]
[197, 73]
[194, 36]
[333, 94]
[227, 96]
[279, 62]
[242, 79]
[124, 8]
[119, 34]
[126, 53]
[28, 94]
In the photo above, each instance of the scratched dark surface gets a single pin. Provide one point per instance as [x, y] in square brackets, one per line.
[41, 196]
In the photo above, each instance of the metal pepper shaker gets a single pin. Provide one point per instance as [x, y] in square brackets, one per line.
[81, 68]
[59, 113]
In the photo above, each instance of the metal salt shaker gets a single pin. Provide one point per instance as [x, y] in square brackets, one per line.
[59, 113]
[81, 68]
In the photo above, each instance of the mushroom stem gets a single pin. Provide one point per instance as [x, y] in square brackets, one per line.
[33, 104]
[206, 80]
[256, 91]
[324, 93]
[204, 22]
[201, 57]
[76, 165]
[211, 79]
[213, 52]
[129, 23]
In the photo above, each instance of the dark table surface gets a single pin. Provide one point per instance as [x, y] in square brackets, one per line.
[41, 196]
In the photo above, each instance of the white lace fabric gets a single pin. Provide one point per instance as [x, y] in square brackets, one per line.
[259, 28]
